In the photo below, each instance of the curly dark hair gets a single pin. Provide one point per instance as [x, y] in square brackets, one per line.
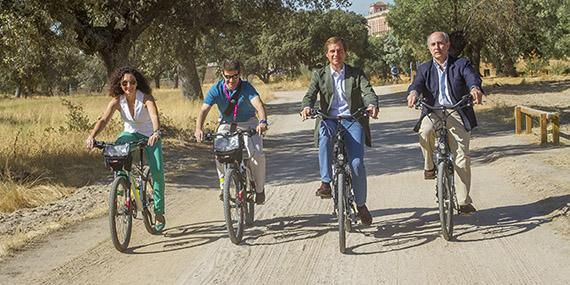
[115, 89]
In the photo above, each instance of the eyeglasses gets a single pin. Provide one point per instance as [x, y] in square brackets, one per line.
[233, 76]
[126, 82]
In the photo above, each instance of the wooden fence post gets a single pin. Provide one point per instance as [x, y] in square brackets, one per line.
[528, 123]
[543, 128]
[555, 119]
[518, 120]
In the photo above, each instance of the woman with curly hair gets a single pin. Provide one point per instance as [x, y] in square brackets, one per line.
[132, 97]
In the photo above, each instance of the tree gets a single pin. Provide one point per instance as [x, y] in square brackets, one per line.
[500, 31]
[108, 28]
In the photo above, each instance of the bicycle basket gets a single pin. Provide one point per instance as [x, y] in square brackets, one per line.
[228, 149]
[118, 157]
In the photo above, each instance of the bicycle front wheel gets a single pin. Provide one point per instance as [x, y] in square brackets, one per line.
[148, 201]
[341, 211]
[445, 199]
[250, 208]
[234, 206]
[120, 215]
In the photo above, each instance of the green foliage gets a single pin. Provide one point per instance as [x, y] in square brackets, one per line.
[77, 120]
[534, 65]
[498, 31]
[560, 68]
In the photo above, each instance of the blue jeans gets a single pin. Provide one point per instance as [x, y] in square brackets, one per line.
[354, 141]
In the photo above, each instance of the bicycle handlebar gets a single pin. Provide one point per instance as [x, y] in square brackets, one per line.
[465, 101]
[102, 144]
[249, 132]
[318, 113]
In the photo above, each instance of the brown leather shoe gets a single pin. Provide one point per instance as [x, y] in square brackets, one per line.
[324, 191]
[467, 209]
[364, 215]
[429, 174]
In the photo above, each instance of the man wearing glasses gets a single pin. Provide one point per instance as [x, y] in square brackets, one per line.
[238, 103]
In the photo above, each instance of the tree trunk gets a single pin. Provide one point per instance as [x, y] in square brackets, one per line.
[157, 81]
[18, 93]
[509, 67]
[187, 73]
[117, 55]
[176, 78]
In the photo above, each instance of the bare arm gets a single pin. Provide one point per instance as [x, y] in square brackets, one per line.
[260, 108]
[150, 104]
[199, 132]
[102, 122]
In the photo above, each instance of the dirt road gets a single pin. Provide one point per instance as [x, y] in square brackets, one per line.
[510, 240]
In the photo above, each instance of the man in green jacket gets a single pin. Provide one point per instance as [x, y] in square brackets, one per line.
[343, 90]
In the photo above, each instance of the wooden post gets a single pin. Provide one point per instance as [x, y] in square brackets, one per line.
[555, 120]
[518, 120]
[543, 125]
[528, 123]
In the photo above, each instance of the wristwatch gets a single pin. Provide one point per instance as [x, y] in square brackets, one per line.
[157, 132]
[263, 122]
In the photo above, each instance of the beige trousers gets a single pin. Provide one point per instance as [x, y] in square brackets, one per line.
[255, 154]
[458, 140]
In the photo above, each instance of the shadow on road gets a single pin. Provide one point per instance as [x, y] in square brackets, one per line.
[397, 229]
[184, 237]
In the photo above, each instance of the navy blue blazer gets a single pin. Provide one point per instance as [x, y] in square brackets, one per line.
[461, 77]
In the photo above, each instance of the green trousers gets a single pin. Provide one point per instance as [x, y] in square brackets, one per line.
[154, 160]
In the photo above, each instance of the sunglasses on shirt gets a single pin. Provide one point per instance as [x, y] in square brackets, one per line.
[126, 82]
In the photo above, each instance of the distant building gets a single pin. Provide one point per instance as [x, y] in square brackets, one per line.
[376, 19]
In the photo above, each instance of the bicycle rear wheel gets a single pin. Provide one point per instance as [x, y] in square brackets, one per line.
[341, 212]
[234, 208]
[148, 201]
[120, 215]
[445, 199]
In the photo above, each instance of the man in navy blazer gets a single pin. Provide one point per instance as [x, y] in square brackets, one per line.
[443, 81]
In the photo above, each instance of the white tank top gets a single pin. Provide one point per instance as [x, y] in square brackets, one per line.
[141, 122]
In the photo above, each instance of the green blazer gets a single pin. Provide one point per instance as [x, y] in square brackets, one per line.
[359, 93]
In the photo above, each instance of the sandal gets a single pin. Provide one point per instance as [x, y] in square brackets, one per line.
[160, 223]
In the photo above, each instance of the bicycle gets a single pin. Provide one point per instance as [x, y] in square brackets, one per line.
[128, 182]
[344, 206]
[443, 160]
[239, 189]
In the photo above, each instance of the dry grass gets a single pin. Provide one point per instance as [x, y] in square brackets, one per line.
[34, 147]
[41, 160]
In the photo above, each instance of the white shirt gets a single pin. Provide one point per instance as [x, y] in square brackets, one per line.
[339, 105]
[141, 122]
[443, 98]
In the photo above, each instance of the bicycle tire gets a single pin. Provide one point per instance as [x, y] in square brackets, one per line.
[231, 189]
[120, 216]
[445, 200]
[341, 213]
[148, 201]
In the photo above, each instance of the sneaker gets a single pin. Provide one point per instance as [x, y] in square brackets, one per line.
[467, 209]
[324, 191]
[429, 174]
[364, 215]
[221, 196]
[260, 198]
[160, 223]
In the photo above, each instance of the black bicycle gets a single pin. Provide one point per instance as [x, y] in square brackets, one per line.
[131, 190]
[239, 189]
[443, 160]
[344, 206]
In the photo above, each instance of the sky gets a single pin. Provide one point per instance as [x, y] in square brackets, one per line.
[361, 6]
